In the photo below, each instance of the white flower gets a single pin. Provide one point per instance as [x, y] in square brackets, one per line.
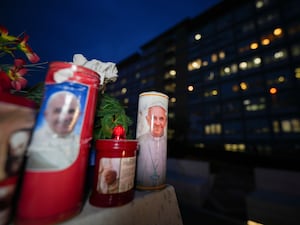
[107, 70]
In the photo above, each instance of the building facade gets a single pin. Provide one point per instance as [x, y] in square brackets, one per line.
[232, 75]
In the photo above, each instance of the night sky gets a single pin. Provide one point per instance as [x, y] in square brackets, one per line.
[108, 30]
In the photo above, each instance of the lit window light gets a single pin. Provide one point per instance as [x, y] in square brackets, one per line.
[243, 65]
[259, 4]
[273, 90]
[124, 90]
[214, 58]
[257, 60]
[197, 64]
[254, 45]
[173, 99]
[227, 147]
[234, 68]
[235, 88]
[190, 88]
[277, 31]
[172, 72]
[246, 102]
[197, 37]
[297, 73]
[278, 55]
[286, 126]
[265, 41]
[205, 63]
[227, 70]
[214, 92]
[241, 147]
[281, 79]
[126, 100]
[243, 86]
[221, 54]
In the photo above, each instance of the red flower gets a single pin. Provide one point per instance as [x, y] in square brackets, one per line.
[12, 75]
[24, 47]
[16, 73]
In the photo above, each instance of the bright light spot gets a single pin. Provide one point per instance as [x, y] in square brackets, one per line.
[273, 91]
[243, 86]
[251, 222]
[214, 92]
[172, 99]
[265, 41]
[227, 70]
[124, 90]
[172, 72]
[281, 79]
[277, 31]
[214, 58]
[243, 65]
[278, 55]
[254, 45]
[222, 55]
[246, 102]
[197, 37]
[259, 4]
[257, 60]
[190, 88]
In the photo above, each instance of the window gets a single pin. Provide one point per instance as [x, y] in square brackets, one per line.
[233, 129]
[257, 129]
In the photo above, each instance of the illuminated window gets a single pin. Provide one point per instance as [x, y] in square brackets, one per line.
[243, 65]
[243, 86]
[286, 126]
[197, 37]
[124, 90]
[292, 125]
[279, 55]
[172, 72]
[214, 128]
[170, 87]
[173, 100]
[190, 88]
[275, 56]
[214, 58]
[254, 45]
[297, 72]
[196, 64]
[222, 55]
[276, 127]
[235, 147]
[277, 78]
[259, 4]
[254, 104]
[273, 90]
[277, 32]
[257, 60]
[265, 41]
[210, 93]
[209, 76]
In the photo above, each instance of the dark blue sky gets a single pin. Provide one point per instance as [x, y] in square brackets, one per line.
[108, 30]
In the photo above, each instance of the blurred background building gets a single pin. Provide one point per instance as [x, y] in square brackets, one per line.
[232, 75]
